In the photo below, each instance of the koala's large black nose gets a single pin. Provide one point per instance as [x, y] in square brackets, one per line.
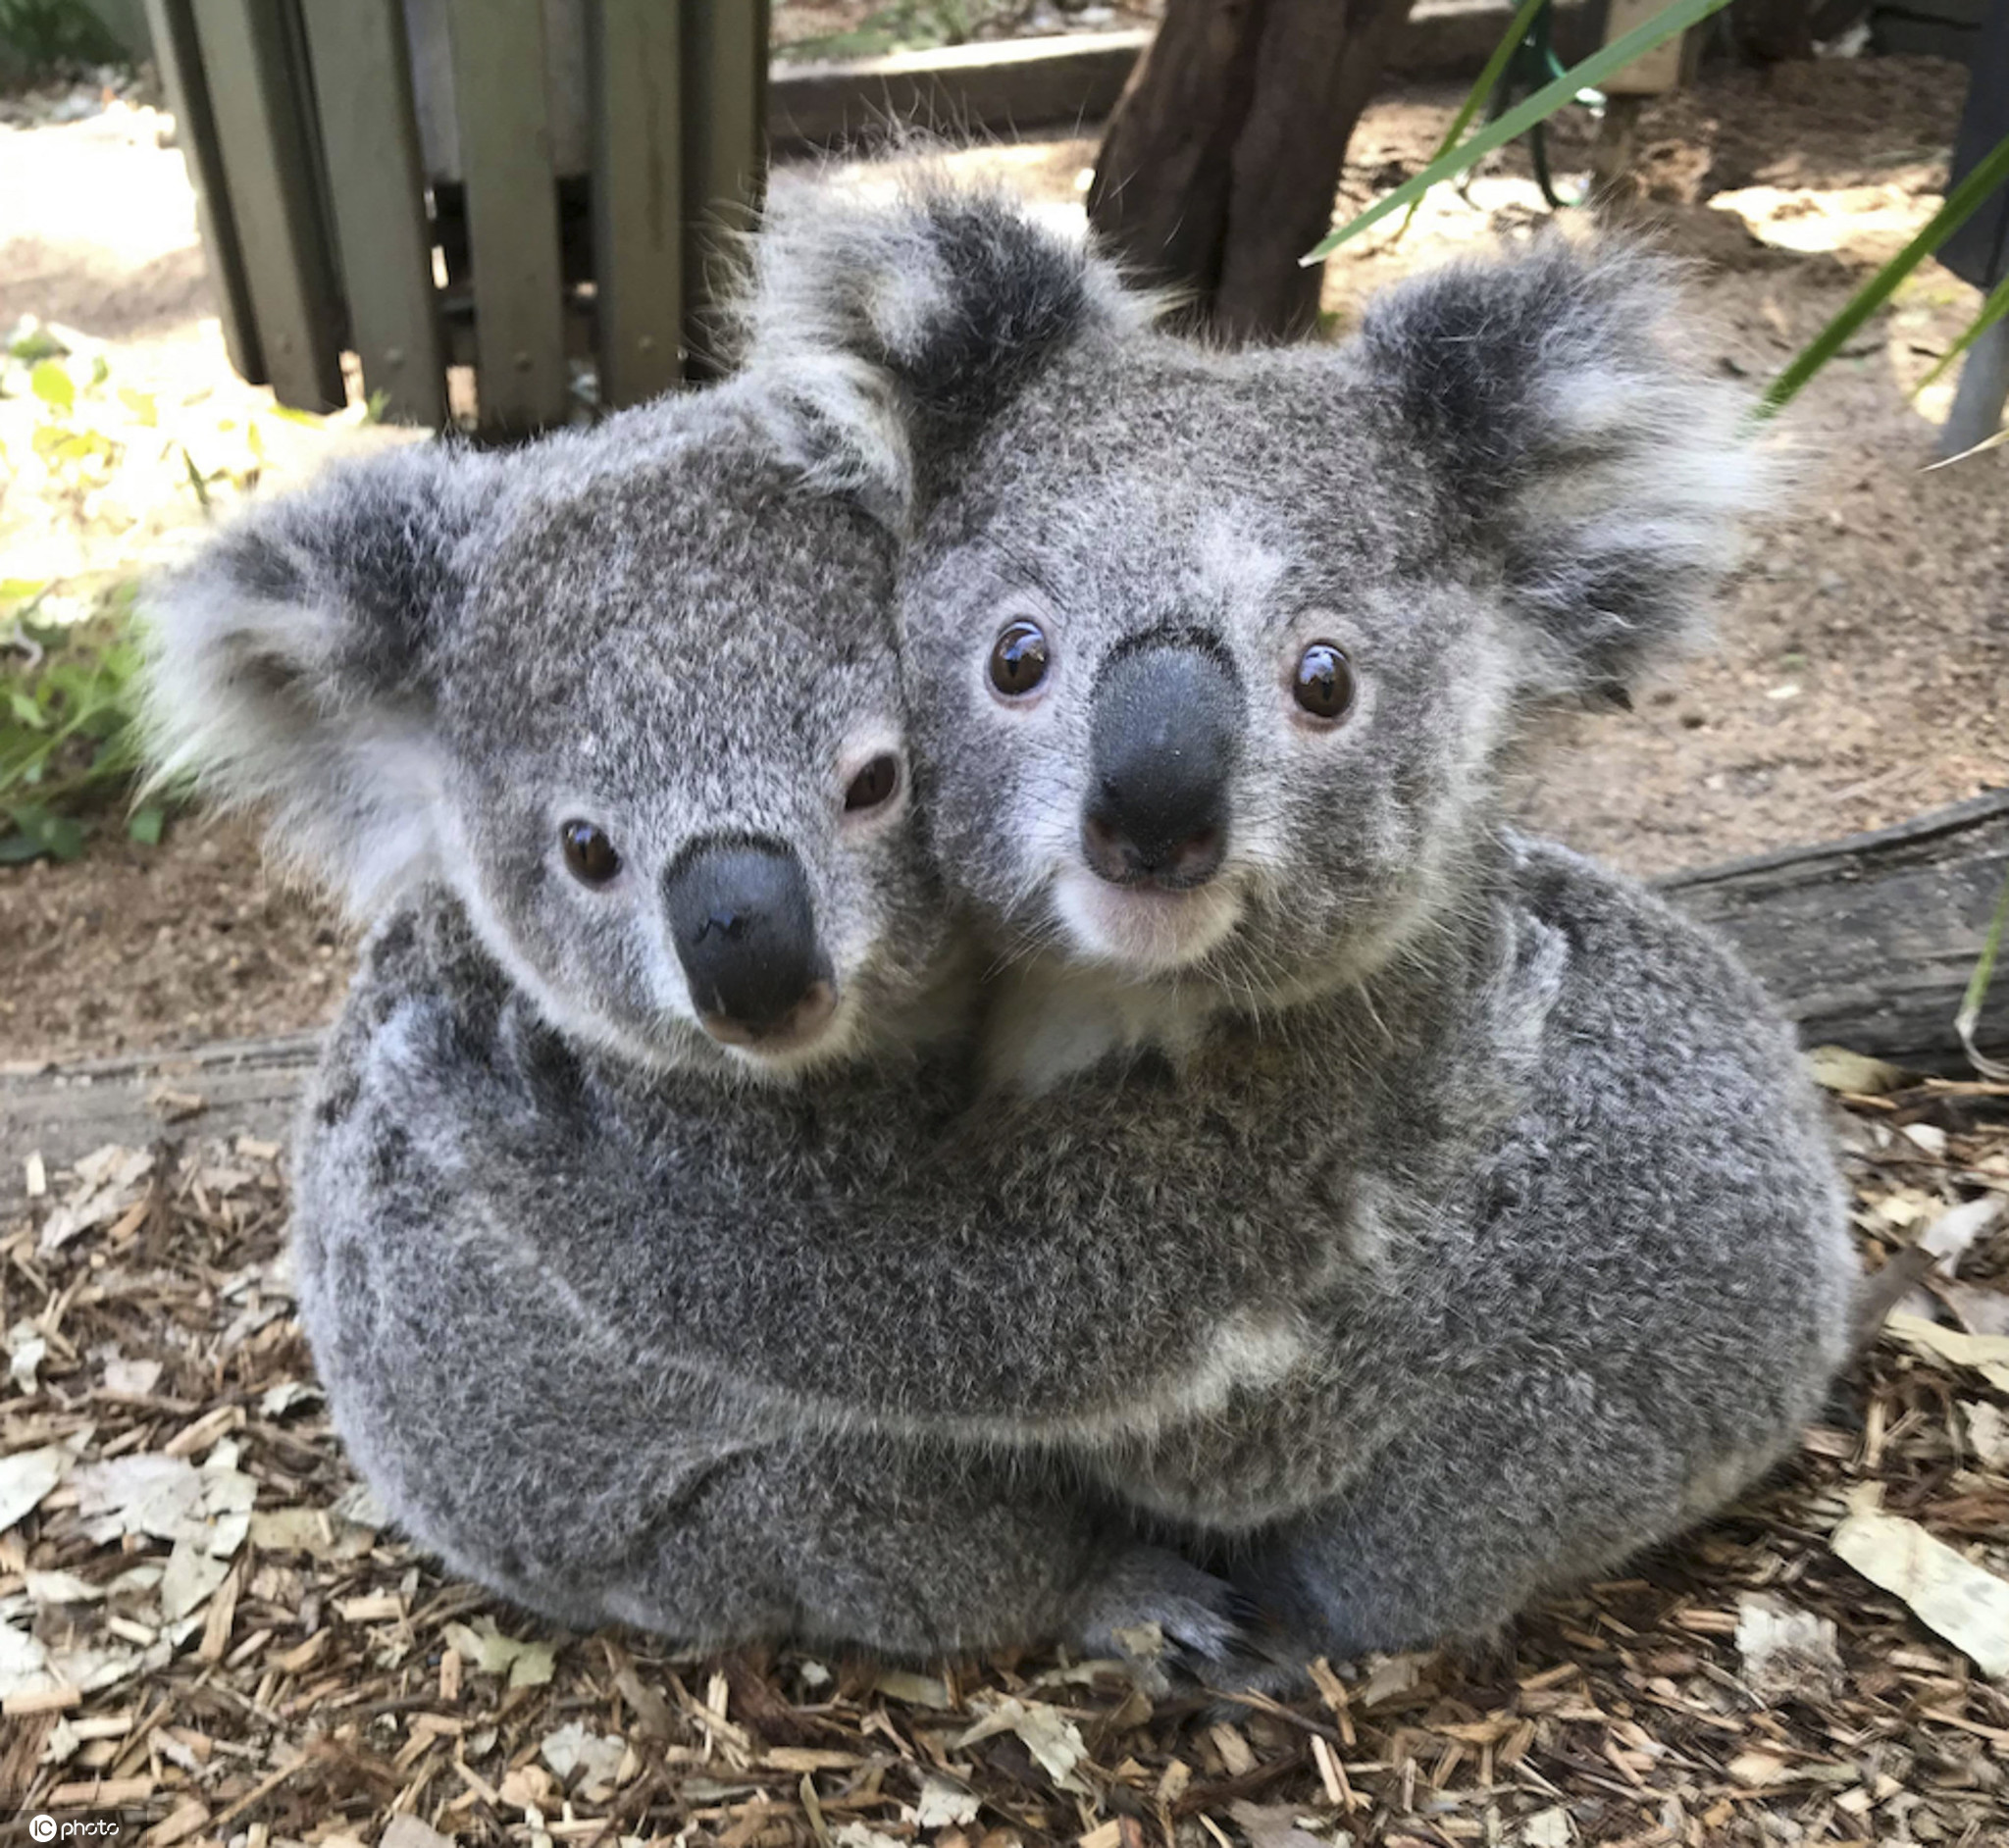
[746, 933]
[1165, 734]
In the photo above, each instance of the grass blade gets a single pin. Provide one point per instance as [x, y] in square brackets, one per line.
[1588, 75]
[1961, 205]
[1992, 310]
[1516, 30]
[1970, 1015]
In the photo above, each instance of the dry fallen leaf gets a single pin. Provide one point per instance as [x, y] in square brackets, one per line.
[1788, 1654]
[1962, 1602]
[1053, 1739]
[28, 1476]
[943, 1803]
[1836, 1068]
[1548, 1828]
[1988, 1355]
[482, 1646]
[572, 1747]
[1272, 1825]
[1949, 1238]
[1988, 1430]
[405, 1830]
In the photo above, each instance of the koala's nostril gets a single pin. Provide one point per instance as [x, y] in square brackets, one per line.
[746, 933]
[1123, 861]
[1165, 734]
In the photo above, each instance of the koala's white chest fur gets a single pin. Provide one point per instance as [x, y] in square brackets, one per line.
[1048, 1021]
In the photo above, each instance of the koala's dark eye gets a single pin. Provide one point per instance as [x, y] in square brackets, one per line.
[588, 853]
[1018, 661]
[873, 785]
[1324, 683]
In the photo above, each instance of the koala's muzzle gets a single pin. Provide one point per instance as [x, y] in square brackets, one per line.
[746, 933]
[1166, 729]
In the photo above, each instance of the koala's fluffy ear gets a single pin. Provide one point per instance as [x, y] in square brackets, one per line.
[954, 295]
[290, 664]
[1601, 471]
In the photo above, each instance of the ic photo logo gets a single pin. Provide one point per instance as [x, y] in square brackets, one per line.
[47, 1828]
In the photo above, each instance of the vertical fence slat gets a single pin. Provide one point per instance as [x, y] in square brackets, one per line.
[255, 101]
[171, 24]
[725, 126]
[512, 210]
[637, 195]
[368, 129]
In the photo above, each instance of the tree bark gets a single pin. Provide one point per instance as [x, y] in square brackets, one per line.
[1773, 32]
[1219, 166]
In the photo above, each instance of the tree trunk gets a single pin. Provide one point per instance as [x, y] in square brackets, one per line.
[1219, 166]
[1773, 32]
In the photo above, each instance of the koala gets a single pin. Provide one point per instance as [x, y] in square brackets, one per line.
[642, 1246]
[1220, 662]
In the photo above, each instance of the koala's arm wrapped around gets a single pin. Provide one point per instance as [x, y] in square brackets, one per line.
[1111, 1257]
[525, 1438]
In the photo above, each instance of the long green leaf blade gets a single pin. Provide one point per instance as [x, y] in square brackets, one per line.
[1516, 30]
[1960, 204]
[1970, 1015]
[1588, 75]
[1991, 311]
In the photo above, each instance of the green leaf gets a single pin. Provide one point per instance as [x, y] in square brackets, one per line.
[293, 415]
[64, 838]
[1991, 311]
[1970, 1015]
[26, 710]
[100, 370]
[39, 832]
[140, 404]
[145, 826]
[1475, 97]
[21, 590]
[52, 384]
[38, 344]
[1667, 24]
[1960, 204]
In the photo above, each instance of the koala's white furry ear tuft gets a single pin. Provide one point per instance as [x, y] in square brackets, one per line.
[1589, 454]
[834, 418]
[290, 666]
[954, 293]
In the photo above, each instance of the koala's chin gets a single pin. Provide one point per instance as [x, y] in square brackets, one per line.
[1144, 931]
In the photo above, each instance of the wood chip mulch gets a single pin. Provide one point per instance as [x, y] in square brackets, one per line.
[208, 1636]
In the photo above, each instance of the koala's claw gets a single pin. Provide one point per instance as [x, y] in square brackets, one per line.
[1175, 1624]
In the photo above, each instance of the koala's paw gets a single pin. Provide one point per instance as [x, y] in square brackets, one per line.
[1173, 1623]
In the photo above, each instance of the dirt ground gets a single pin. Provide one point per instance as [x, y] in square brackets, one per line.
[1861, 655]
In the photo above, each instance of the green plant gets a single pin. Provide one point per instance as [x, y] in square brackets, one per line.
[45, 34]
[1453, 157]
[68, 743]
[1544, 103]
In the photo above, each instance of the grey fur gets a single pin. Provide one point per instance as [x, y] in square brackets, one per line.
[1449, 1221]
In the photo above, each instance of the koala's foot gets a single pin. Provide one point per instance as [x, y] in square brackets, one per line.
[1173, 1623]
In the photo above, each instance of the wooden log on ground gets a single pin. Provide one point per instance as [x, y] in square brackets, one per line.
[1868, 941]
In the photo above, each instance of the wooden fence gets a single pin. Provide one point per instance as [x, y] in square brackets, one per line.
[333, 226]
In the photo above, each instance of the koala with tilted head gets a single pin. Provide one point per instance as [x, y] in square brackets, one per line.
[1121, 1145]
[649, 1264]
